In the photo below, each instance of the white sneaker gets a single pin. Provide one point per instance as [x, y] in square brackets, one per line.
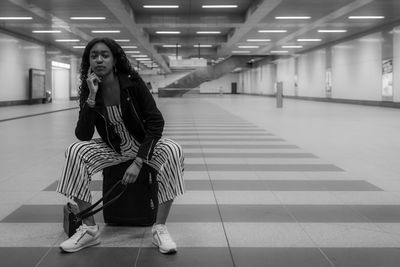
[84, 237]
[163, 240]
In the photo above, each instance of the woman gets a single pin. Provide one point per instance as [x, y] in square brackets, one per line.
[115, 101]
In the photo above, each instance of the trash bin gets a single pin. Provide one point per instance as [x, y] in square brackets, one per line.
[48, 98]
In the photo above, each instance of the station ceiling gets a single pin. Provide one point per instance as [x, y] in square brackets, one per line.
[189, 29]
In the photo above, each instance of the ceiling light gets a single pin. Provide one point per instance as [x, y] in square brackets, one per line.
[292, 46]
[208, 32]
[87, 18]
[143, 59]
[279, 51]
[128, 47]
[309, 40]
[258, 40]
[53, 52]
[160, 6]
[30, 47]
[60, 65]
[47, 31]
[219, 6]
[272, 31]
[139, 56]
[238, 52]
[15, 18]
[122, 40]
[202, 45]
[67, 40]
[172, 46]
[7, 40]
[372, 40]
[366, 17]
[79, 46]
[332, 31]
[168, 32]
[248, 46]
[295, 17]
[132, 52]
[107, 31]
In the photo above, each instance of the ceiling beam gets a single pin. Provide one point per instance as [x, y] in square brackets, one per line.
[199, 25]
[124, 13]
[188, 21]
[50, 17]
[56, 22]
[189, 51]
[97, 25]
[254, 15]
[330, 17]
[186, 40]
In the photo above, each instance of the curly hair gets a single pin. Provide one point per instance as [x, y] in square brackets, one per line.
[122, 64]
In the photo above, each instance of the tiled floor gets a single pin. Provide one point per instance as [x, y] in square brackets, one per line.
[311, 184]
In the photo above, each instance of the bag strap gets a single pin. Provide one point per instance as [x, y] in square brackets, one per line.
[89, 211]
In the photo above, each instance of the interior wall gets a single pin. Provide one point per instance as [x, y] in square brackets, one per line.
[74, 77]
[396, 64]
[311, 74]
[61, 84]
[17, 57]
[357, 69]
[285, 74]
[223, 83]
[260, 82]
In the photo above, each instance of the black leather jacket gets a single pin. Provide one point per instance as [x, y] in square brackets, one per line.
[139, 112]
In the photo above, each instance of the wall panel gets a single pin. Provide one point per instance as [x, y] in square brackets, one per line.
[17, 57]
[357, 69]
[396, 64]
[285, 74]
[311, 74]
[223, 83]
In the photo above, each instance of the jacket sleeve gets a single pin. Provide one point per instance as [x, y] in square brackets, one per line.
[84, 129]
[151, 117]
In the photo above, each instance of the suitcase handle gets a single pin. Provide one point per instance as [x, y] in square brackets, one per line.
[89, 211]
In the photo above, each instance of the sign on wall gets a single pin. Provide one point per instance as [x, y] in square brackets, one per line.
[328, 82]
[387, 79]
[37, 84]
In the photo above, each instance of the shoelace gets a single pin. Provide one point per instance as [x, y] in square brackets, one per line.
[163, 234]
[80, 232]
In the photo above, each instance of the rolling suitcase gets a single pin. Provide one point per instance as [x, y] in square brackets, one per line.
[138, 205]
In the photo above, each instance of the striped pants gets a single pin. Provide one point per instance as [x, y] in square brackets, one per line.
[85, 158]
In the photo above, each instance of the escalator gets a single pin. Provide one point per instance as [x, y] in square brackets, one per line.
[194, 79]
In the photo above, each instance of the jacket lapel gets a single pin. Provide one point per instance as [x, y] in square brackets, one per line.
[124, 84]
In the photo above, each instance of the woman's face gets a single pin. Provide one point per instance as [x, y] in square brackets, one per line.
[101, 60]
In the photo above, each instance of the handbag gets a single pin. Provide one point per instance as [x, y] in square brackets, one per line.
[73, 218]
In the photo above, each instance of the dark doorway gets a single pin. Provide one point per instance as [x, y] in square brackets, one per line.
[234, 88]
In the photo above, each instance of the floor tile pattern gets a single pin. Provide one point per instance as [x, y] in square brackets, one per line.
[254, 198]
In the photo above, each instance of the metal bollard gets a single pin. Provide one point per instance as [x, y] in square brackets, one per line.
[279, 94]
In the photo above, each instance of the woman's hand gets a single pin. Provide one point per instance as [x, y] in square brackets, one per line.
[93, 83]
[131, 174]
